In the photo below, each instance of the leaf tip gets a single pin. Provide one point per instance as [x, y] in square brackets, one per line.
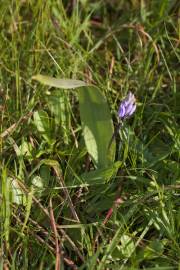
[36, 77]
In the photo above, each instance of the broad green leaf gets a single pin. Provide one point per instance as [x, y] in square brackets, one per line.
[58, 104]
[95, 117]
[127, 245]
[25, 149]
[59, 83]
[41, 121]
[37, 182]
[17, 194]
[45, 174]
[100, 176]
[153, 250]
[97, 126]
[37, 185]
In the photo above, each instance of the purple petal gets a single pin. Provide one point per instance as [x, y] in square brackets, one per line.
[121, 111]
[127, 106]
[128, 109]
[130, 99]
[132, 110]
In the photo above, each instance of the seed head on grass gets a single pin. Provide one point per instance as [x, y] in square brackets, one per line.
[127, 106]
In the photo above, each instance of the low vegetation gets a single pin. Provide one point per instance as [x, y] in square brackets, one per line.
[79, 189]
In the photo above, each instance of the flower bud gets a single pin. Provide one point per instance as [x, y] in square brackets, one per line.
[127, 106]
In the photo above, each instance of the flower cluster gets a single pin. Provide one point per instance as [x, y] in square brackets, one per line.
[127, 106]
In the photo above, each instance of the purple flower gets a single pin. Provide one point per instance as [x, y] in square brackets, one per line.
[127, 106]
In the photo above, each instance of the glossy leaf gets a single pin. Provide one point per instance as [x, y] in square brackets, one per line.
[59, 83]
[97, 126]
[95, 117]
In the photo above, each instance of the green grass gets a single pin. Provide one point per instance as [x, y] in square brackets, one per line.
[54, 196]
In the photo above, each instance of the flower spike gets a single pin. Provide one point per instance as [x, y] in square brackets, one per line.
[127, 106]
